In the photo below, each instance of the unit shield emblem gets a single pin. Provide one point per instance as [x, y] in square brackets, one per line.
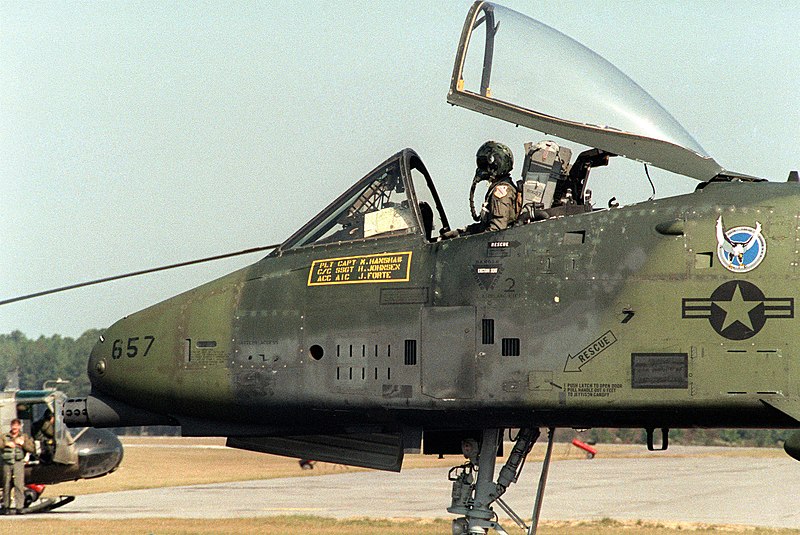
[740, 249]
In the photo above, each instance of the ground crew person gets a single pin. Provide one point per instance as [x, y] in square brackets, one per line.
[494, 163]
[45, 432]
[15, 445]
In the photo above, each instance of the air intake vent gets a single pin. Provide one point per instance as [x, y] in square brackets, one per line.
[410, 353]
[510, 347]
[487, 331]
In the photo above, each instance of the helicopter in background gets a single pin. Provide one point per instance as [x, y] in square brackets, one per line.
[375, 330]
[86, 454]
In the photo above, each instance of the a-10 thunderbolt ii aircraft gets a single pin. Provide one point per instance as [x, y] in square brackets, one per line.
[375, 329]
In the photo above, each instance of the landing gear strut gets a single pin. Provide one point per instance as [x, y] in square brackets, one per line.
[473, 496]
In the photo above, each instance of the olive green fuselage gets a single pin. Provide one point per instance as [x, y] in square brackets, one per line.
[621, 317]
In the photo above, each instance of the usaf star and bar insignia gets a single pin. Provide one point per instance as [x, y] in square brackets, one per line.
[738, 310]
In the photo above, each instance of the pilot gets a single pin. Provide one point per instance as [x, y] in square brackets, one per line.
[45, 432]
[15, 445]
[494, 163]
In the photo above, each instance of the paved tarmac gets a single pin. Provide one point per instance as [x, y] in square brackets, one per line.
[719, 490]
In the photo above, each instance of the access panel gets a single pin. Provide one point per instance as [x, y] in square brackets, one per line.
[447, 352]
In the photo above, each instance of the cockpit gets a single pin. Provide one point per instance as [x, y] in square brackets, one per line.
[398, 198]
[577, 96]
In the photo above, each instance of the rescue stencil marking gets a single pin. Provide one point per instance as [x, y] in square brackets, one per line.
[363, 269]
[737, 310]
[500, 248]
[740, 249]
[576, 362]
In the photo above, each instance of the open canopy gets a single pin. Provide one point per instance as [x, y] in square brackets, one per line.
[519, 70]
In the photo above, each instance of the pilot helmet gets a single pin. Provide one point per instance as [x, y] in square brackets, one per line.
[494, 158]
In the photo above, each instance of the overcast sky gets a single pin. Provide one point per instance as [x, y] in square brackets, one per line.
[144, 133]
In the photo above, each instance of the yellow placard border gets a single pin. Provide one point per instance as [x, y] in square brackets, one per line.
[374, 255]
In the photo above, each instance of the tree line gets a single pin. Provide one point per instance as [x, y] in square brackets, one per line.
[50, 358]
[698, 437]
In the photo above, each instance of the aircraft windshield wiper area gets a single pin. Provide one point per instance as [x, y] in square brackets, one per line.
[376, 329]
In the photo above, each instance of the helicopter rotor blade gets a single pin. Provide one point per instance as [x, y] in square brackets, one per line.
[136, 273]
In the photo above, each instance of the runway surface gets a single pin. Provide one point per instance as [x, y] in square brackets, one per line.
[719, 490]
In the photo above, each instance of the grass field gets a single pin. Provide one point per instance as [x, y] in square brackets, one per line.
[156, 462]
[303, 525]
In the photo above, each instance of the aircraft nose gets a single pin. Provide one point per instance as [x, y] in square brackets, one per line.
[97, 363]
[99, 452]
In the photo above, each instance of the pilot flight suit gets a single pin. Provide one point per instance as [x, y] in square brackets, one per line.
[500, 207]
[14, 468]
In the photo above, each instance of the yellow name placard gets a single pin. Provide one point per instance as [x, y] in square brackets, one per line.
[363, 269]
